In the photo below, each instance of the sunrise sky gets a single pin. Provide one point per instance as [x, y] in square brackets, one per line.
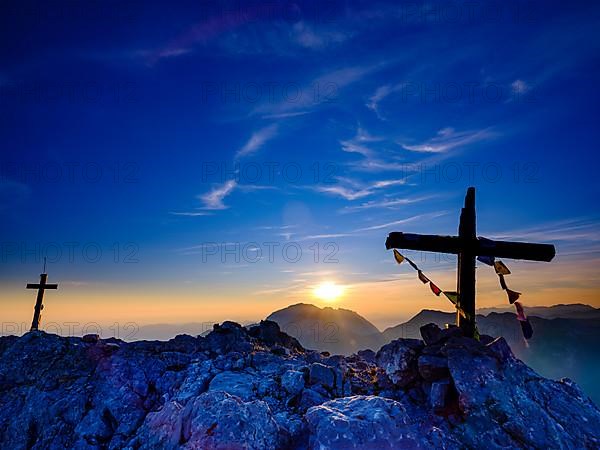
[209, 161]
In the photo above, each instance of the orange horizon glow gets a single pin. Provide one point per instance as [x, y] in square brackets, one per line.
[384, 303]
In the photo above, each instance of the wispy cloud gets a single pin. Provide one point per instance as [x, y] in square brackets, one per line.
[207, 30]
[380, 94]
[324, 89]
[344, 192]
[257, 140]
[362, 143]
[325, 236]
[214, 198]
[579, 230]
[358, 144]
[519, 87]
[404, 221]
[191, 213]
[448, 138]
[387, 203]
[308, 36]
[351, 189]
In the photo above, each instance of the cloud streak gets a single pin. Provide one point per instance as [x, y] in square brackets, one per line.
[404, 221]
[448, 138]
[257, 141]
[213, 200]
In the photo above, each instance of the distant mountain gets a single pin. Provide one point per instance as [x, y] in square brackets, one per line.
[338, 331]
[560, 347]
[572, 311]
[166, 331]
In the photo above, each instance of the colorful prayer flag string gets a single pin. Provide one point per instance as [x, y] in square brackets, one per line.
[450, 295]
[501, 270]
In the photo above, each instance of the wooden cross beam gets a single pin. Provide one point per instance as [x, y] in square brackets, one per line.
[468, 246]
[41, 287]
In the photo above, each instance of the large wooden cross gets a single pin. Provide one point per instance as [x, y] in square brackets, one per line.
[467, 246]
[41, 287]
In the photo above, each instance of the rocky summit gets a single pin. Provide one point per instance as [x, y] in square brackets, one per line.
[258, 388]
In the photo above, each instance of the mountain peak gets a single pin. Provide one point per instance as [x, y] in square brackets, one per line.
[258, 388]
[336, 330]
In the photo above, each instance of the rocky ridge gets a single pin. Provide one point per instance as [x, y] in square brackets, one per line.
[258, 388]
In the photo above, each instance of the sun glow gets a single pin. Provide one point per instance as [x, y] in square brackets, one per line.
[328, 291]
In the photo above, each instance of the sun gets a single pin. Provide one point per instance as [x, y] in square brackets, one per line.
[328, 291]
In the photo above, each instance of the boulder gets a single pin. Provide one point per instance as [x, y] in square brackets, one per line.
[321, 374]
[239, 384]
[438, 395]
[367, 355]
[430, 333]
[399, 360]
[293, 381]
[61, 392]
[214, 420]
[228, 337]
[90, 338]
[370, 422]
[433, 368]
[507, 404]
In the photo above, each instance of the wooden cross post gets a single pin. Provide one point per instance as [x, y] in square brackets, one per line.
[41, 287]
[468, 246]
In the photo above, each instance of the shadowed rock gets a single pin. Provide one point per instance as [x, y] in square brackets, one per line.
[231, 390]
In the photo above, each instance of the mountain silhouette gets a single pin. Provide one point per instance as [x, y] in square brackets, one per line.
[338, 331]
[562, 311]
[560, 347]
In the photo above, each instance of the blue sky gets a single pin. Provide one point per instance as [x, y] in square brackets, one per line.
[163, 136]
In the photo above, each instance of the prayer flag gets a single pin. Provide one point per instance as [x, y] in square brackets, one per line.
[398, 257]
[527, 329]
[414, 266]
[463, 313]
[489, 260]
[520, 313]
[452, 296]
[423, 278]
[502, 282]
[512, 296]
[501, 269]
[436, 290]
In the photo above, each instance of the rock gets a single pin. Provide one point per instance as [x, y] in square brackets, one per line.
[463, 342]
[182, 343]
[228, 337]
[399, 360]
[293, 381]
[430, 333]
[486, 339]
[501, 348]
[212, 420]
[196, 382]
[111, 347]
[270, 333]
[279, 350]
[62, 392]
[234, 383]
[367, 355]
[507, 404]
[438, 394]
[175, 361]
[321, 374]
[369, 422]
[433, 368]
[433, 335]
[90, 338]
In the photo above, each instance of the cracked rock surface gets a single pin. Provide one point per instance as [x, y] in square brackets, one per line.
[257, 388]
